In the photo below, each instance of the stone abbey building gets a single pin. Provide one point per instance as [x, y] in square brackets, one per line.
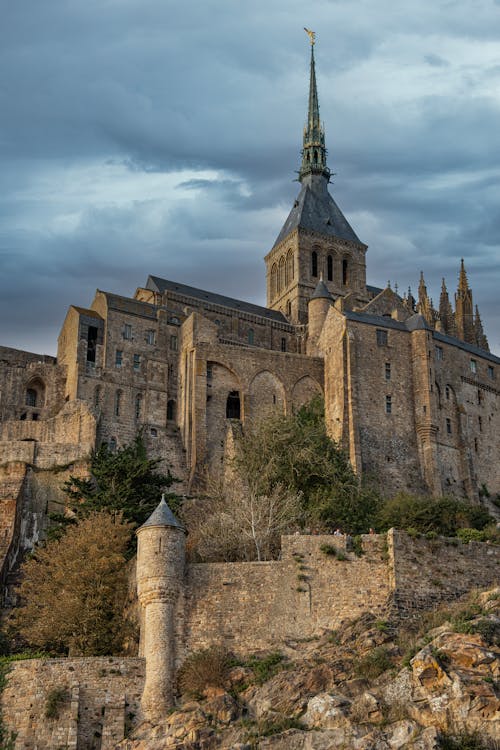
[411, 392]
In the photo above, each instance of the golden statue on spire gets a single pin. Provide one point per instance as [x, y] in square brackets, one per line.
[311, 35]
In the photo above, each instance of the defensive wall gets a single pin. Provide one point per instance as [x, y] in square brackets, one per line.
[246, 607]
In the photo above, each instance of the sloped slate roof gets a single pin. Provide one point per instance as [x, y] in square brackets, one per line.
[156, 284]
[316, 210]
[163, 516]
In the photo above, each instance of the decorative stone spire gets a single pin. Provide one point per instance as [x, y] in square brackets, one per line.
[314, 150]
[464, 316]
[481, 339]
[424, 305]
[446, 316]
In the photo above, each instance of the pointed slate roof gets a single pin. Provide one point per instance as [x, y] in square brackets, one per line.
[321, 291]
[315, 210]
[163, 516]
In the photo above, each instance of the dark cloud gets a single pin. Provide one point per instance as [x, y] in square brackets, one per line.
[161, 138]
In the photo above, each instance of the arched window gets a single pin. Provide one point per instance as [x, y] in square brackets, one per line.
[314, 263]
[171, 410]
[31, 396]
[138, 406]
[274, 280]
[118, 403]
[233, 405]
[289, 309]
[251, 336]
[329, 268]
[281, 274]
[345, 271]
[289, 267]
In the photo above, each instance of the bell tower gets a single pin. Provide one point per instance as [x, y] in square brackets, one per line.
[316, 239]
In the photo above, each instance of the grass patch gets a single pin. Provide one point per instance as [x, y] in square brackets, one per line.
[54, 701]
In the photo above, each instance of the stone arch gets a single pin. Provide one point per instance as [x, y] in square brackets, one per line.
[34, 396]
[305, 389]
[222, 382]
[266, 394]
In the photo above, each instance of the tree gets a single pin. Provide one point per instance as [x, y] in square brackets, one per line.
[125, 481]
[296, 452]
[73, 589]
[244, 525]
[443, 515]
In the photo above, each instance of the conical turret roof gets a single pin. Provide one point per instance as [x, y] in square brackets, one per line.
[163, 516]
[321, 291]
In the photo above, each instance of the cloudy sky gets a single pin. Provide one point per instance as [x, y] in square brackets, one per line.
[152, 136]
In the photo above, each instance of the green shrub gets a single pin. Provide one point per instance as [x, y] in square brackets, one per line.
[265, 667]
[357, 545]
[203, 669]
[54, 701]
[373, 664]
[329, 549]
[470, 535]
[421, 515]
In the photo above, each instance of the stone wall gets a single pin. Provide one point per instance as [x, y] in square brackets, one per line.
[258, 606]
[100, 699]
[424, 572]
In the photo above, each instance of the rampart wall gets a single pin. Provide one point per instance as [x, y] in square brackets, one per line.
[247, 607]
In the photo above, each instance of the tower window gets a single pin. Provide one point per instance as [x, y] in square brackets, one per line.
[314, 263]
[138, 406]
[439, 353]
[31, 397]
[473, 366]
[127, 331]
[91, 343]
[118, 403]
[491, 372]
[387, 370]
[137, 362]
[233, 405]
[329, 268]
[150, 337]
[251, 336]
[447, 392]
[388, 404]
[170, 410]
[345, 271]
[381, 337]
[289, 308]
[283, 345]
[173, 343]
[210, 371]
[448, 425]
[118, 358]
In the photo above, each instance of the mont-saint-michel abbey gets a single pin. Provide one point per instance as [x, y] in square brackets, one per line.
[410, 391]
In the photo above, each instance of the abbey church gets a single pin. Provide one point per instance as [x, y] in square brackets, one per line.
[411, 392]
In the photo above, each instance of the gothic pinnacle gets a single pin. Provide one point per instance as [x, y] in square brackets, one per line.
[314, 150]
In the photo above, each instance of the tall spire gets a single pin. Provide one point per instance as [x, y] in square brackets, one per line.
[481, 339]
[314, 150]
[446, 315]
[464, 310]
[424, 305]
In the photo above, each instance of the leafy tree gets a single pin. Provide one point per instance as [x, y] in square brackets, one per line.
[125, 481]
[444, 515]
[73, 589]
[296, 452]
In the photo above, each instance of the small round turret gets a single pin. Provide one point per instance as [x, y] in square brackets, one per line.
[160, 574]
[318, 307]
